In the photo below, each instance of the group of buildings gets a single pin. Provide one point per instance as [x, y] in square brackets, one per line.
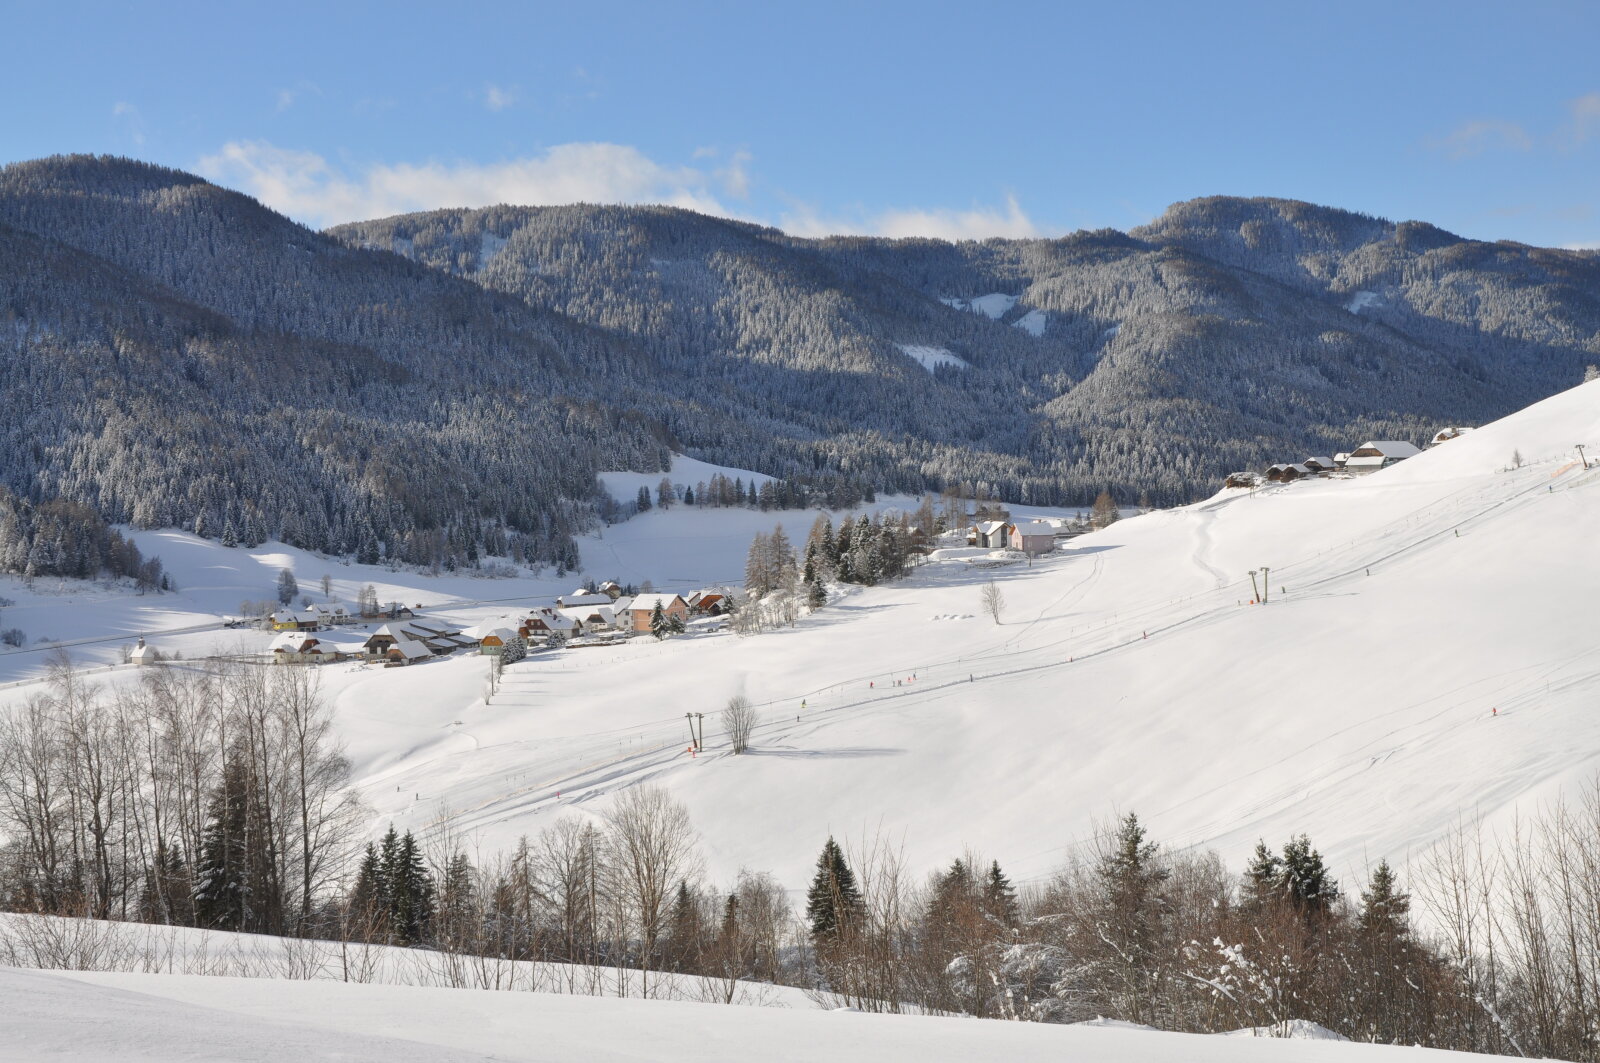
[310, 636]
[1031, 537]
[1369, 457]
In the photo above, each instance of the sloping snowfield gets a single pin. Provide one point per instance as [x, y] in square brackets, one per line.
[1425, 654]
[83, 1017]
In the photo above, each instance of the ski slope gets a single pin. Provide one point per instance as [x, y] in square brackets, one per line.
[1425, 655]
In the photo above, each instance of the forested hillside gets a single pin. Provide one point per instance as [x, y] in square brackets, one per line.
[1227, 333]
[172, 353]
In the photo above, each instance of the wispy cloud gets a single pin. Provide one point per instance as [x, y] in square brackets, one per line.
[976, 223]
[498, 97]
[132, 120]
[287, 98]
[1477, 137]
[307, 187]
[1584, 119]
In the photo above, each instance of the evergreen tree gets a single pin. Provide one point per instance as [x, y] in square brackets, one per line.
[233, 881]
[1306, 880]
[1000, 897]
[230, 537]
[287, 587]
[1385, 910]
[658, 621]
[409, 887]
[1263, 880]
[833, 902]
[642, 501]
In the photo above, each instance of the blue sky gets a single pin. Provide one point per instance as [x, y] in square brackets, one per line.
[948, 119]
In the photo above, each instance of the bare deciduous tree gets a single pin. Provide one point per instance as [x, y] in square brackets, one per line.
[993, 600]
[739, 720]
[654, 849]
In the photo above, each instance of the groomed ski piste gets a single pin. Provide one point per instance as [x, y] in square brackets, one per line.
[1424, 656]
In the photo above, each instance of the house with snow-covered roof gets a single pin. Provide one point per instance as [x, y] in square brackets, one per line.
[295, 620]
[303, 647]
[1320, 464]
[989, 534]
[1031, 537]
[1444, 435]
[143, 653]
[644, 605]
[569, 601]
[1378, 454]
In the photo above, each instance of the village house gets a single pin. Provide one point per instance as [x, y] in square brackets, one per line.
[1031, 537]
[1320, 464]
[1379, 454]
[1285, 472]
[544, 622]
[645, 604]
[294, 620]
[707, 603]
[583, 597]
[988, 534]
[1444, 435]
[436, 640]
[611, 589]
[300, 647]
[493, 642]
[404, 652]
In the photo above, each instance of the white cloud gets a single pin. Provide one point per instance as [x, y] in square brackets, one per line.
[1585, 111]
[309, 188]
[1475, 138]
[977, 223]
[497, 98]
[131, 119]
[305, 186]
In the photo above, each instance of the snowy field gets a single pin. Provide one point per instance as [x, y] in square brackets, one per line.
[1426, 655]
[84, 1017]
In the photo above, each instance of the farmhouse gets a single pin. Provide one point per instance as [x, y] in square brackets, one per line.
[707, 603]
[644, 605]
[404, 652]
[544, 622]
[1320, 465]
[1444, 435]
[989, 534]
[1379, 454]
[583, 597]
[1031, 537]
[293, 620]
[300, 647]
[494, 641]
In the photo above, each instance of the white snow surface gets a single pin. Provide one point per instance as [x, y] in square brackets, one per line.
[1129, 674]
[931, 358]
[81, 1017]
[1033, 322]
[685, 472]
[489, 245]
[993, 306]
[1362, 301]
